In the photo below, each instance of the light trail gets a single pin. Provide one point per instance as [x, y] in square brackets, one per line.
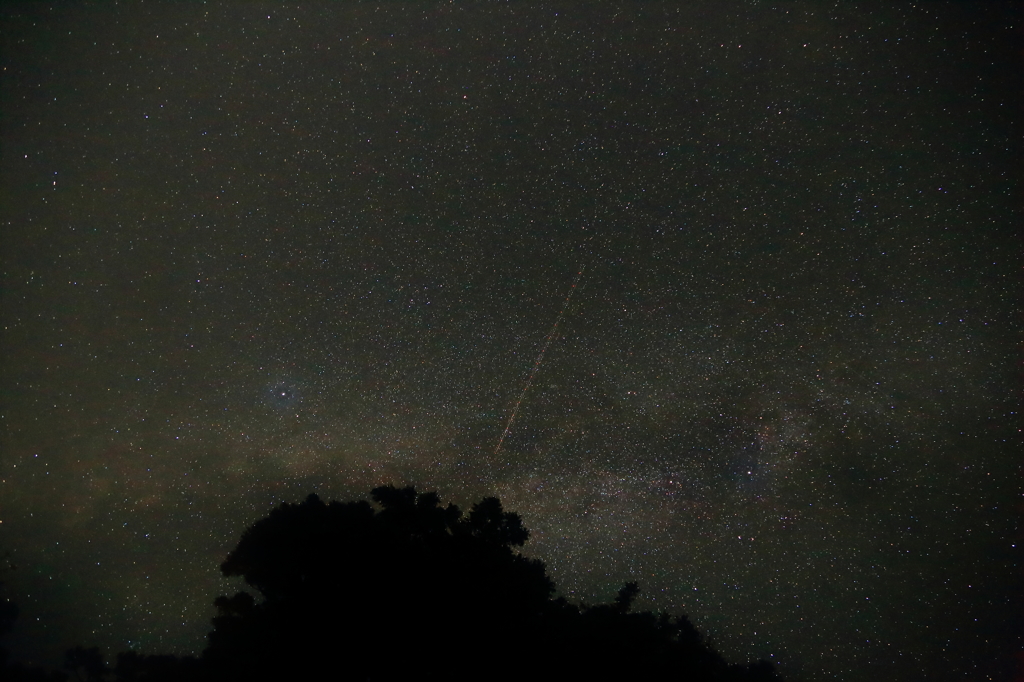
[540, 359]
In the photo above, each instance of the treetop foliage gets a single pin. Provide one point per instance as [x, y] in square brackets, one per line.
[414, 589]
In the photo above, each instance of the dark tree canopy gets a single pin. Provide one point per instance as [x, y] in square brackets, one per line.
[373, 593]
[417, 589]
[410, 590]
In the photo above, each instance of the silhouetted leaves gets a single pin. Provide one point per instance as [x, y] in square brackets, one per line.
[357, 584]
[420, 590]
[625, 597]
[413, 590]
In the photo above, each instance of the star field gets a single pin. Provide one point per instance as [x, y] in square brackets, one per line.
[254, 251]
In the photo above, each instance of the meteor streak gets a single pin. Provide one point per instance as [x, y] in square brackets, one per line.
[540, 359]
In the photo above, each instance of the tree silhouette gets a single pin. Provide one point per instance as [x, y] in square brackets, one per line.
[410, 590]
[376, 594]
[420, 590]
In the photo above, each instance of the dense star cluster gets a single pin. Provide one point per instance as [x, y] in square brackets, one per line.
[251, 252]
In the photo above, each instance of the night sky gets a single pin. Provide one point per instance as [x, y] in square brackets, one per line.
[252, 251]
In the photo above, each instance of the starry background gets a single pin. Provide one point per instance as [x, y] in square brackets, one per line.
[254, 251]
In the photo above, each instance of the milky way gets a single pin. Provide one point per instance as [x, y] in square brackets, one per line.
[250, 254]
